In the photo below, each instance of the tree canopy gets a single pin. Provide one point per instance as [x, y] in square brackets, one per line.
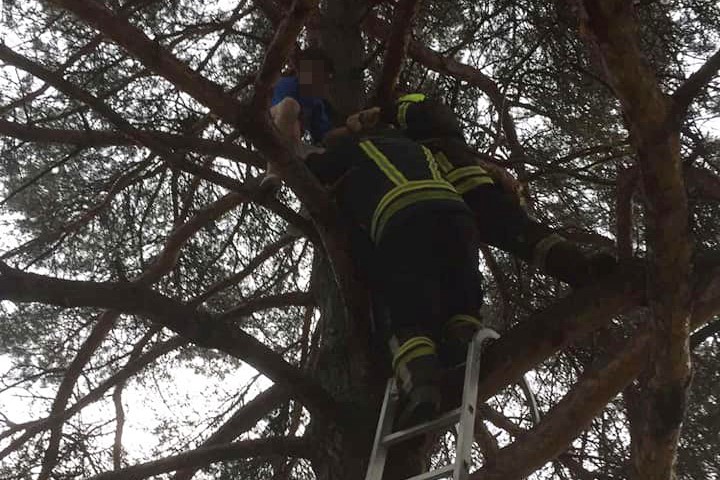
[164, 316]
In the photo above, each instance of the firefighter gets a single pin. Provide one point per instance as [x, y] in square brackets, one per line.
[423, 266]
[501, 220]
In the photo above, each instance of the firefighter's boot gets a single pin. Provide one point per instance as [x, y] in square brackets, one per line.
[417, 373]
[457, 334]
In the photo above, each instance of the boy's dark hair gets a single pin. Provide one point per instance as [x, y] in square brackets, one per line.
[317, 54]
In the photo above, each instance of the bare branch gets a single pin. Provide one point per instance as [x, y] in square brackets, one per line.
[612, 31]
[271, 301]
[168, 257]
[266, 253]
[266, 447]
[397, 45]
[276, 55]
[97, 335]
[104, 138]
[195, 325]
[133, 367]
[569, 417]
[691, 88]
[244, 419]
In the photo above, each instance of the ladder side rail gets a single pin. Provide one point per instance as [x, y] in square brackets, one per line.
[466, 433]
[376, 467]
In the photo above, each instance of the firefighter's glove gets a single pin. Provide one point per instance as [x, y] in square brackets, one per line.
[363, 120]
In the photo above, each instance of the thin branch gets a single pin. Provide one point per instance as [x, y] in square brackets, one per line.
[168, 257]
[242, 420]
[280, 300]
[117, 451]
[40, 175]
[266, 447]
[133, 367]
[105, 138]
[195, 325]
[73, 372]
[266, 253]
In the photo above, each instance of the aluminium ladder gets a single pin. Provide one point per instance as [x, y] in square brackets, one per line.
[463, 417]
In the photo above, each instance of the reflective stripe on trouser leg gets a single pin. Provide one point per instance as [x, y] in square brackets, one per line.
[409, 350]
[462, 321]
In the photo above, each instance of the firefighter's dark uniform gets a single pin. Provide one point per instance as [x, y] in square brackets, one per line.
[424, 261]
[501, 220]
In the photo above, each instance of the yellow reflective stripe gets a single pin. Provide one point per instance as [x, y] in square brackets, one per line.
[462, 172]
[407, 200]
[412, 355]
[383, 163]
[432, 163]
[462, 319]
[412, 97]
[402, 115]
[466, 185]
[413, 348]
[443, 161]
[390, 196]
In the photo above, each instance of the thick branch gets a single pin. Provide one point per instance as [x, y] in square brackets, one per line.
[266, 447]
[276, 55]
[396, 50]
[559, 325]
[569, 417]
[612, 31]
[688, 91]
[105, 138]
[195, 325]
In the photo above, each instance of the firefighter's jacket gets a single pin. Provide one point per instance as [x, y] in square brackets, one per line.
[384, 178]
[500, 219]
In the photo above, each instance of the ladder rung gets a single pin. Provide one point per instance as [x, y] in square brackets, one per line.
[433, 474]
[449, 418]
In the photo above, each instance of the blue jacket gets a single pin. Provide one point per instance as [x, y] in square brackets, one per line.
[313, 110]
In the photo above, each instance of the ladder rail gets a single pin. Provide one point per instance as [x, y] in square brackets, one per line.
[463, 417]
[384, 428]
[466, 427]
